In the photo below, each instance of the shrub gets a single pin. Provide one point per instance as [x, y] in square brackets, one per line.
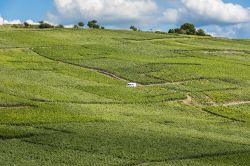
[133, 28]
[171, 31]
[26, 24]
[189, 28]
[201, 32]
[93, 24]
[81, 24]
[44, 25]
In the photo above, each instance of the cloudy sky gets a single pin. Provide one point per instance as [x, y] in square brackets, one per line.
[228, 18]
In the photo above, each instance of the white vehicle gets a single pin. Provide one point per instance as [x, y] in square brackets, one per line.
[132, 85]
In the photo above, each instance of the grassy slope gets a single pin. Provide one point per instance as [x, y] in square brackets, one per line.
[58, 108]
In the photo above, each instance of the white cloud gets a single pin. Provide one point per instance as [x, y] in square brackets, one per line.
[221, 31]
[115, 11]
[69, 26]
[217, 10]
[207, 12]
[217, 17]
[231, 31]
[31, 22]
[171, 15]
[3, 21]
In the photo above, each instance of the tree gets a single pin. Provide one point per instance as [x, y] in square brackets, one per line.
[93, 24]
[102, 27]
[177, 30]
[133, 28]
[171, 31]
[76, 27]
[26, 24]
[96, 26]
[44, 25]
[81, 24]
[201, 32]
[189, 28]
[182, 31]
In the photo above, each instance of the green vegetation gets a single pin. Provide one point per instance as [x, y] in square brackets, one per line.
[81, 24]
[188, 29]
[93, 24]
[133, 28]
[64, 100]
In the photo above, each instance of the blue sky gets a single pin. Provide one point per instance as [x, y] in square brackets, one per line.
[229, 18]
[25, 9]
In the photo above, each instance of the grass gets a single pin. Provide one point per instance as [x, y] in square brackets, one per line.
[64, 100]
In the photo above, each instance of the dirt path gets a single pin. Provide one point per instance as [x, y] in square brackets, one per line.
[236, 103]
[85, 67]
[16, 106]
[189, 101]
[166, 83]
[211, 102]
[111, 74]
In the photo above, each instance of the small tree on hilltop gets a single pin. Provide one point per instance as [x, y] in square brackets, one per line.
[26, 24]
[201, 32]
[189, 28]
[182, 31]
[177, 30]
[171, 31]
[96, 26]
[81, 24]
[93, 24]
[44, 25]
[133, 28]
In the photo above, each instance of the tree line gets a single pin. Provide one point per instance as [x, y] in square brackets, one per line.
[91, 24]
[43, 25]
[187, 29]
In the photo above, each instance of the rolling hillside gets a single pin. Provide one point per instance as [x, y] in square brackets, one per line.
[64, 98]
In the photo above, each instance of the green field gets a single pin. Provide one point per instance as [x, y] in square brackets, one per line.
[64, 98]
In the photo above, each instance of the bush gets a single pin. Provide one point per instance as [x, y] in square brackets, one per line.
[171, 31]
[133, 28]
[96, 26]
[201, 32]
[44, 25]
[26, 24]
[17, 26]
[182, 31]
[189, 28]
[81, 24]
[93, 24]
